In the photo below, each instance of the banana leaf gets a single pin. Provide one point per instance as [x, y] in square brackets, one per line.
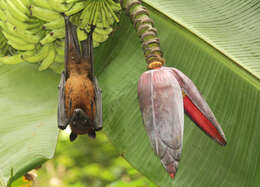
[214, 43]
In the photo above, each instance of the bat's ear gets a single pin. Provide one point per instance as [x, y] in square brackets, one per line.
[72, 136]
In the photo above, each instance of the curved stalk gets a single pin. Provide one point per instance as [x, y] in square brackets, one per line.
[146, 31]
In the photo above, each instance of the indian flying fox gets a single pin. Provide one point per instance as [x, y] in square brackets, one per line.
[80, 98]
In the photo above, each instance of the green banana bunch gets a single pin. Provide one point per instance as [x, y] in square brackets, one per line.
[3, 45]
[35, 28]
[101, 13]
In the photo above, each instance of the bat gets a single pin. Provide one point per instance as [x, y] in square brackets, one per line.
[80, 98]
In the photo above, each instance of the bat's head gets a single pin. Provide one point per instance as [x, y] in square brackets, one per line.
[80, 123]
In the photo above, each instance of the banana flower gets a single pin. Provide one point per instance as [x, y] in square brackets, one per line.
[164, 93]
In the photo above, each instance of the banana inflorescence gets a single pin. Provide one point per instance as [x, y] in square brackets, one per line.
[35, 28]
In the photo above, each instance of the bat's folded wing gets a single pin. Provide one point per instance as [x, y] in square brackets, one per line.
[61, 106]
[98, 99]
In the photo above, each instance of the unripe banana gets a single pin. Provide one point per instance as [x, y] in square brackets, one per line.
[21, 6]
[95, 44]
[26, 2]
[3, 50]
[107, 13]
[49, 59]
[3, 44]
[47, 39]
[26, 35]
[81, 34]
[99, 38]
[14, 38]
[102, 31]
[16, 22]
[37, 24]
[58, 33]
[44, 14]
[15, 59]
[3, 5]
[72, 1]
[2, 15]
[86, 14]
[2, 39]
[59, 59]
[41, 3]
[56, 24]
[103, 15]
[111, 11]
[37, 30]
[37, 57]
[114, 6]
[19, 46]
[57, 67]
[60, 43]
[59, 6]
[15, 11]
[75, 9]
[60, 52]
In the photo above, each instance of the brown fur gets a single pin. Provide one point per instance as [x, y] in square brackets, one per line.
[79, 89]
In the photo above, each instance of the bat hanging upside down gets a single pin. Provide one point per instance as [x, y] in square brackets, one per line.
[80, 99]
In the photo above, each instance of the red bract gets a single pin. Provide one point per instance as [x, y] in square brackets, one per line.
[198, 109]
[163, 93]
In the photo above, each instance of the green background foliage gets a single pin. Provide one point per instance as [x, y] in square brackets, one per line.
[87, 162]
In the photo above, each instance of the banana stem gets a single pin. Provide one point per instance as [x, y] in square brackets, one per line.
[146, 31]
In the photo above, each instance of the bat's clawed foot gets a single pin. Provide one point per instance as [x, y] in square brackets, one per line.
[98, 128]
[73, 136]
[92, 134]
[63, 126]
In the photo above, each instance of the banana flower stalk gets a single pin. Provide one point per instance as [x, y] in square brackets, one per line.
[164, 93]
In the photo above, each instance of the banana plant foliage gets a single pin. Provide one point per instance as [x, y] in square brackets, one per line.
[215, 43]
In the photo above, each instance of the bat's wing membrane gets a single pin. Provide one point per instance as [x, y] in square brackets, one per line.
[62, 119]
[72, 48]
[87, 51]
[98, 98]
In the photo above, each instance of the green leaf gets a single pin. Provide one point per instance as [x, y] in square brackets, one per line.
[28, 131]
[231, 27]
[231, 91]
[213, 43]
